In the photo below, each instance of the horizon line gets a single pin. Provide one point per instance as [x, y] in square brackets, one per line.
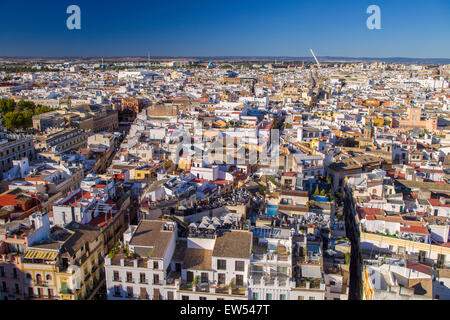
[213, 56]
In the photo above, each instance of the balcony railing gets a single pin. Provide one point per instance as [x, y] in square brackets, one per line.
[186, 286]
[221, 290]
[40, 283]
[203, 287]
[241, 291]
[65, 291]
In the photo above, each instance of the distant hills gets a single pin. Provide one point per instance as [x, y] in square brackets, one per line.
[280, 59]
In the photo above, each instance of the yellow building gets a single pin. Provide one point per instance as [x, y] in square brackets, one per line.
[71, 269]
[378, 122]
[39, 270]
[314, 144]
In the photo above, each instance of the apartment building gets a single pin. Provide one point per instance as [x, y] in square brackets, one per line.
[14, 147]
[142, 271]
[62, 140]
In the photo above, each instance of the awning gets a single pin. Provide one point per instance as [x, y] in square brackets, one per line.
[39, 254]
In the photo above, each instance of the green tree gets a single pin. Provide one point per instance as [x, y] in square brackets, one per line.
[316, 193]
[19, 115]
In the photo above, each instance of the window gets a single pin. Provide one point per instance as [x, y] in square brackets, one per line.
[268, 296]
[204, 277]
[129, 277]
[117, 291]
[239, 266]
[170, 295]
[222, 264]
[239, 280]
[221, 278]
[312, 298]
[255, 296]
[2, 271]
[441, 260]
[422, 255]
[143, 295]
[189, 276]
[30, 292]
[116, 276]
[48, 277]
[282, 297]
[300, 298]
[202, 298]
[129, 292]
[142, 278]
[184, 297]
[155, 264]
[156, 279]
[17, 291]
[332, 283]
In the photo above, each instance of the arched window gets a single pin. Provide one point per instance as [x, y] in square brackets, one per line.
[48, 277]
[38, 278]
[29, 276]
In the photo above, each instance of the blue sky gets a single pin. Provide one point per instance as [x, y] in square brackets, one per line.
[415, 28]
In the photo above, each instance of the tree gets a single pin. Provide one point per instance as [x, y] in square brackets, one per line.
[19, 115]
[316, 193]
[347, 257]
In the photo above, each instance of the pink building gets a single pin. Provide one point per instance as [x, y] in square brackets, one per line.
[415, 120]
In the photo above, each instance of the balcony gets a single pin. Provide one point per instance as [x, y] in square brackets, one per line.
[65, 291]
[186, 286]
[269, 257]
[221, 289]
[273, 280]
[40, 283]
[203, 287]
[314, 284]
[240, 291]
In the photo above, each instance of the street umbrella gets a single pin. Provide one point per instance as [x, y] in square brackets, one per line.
[228, 220]
[216, 221]
[203, 225]
[193, 225]
[211, 227]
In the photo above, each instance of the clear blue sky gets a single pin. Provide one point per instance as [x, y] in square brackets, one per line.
[415, 28]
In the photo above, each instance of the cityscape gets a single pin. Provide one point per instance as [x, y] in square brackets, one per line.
[224, 177]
